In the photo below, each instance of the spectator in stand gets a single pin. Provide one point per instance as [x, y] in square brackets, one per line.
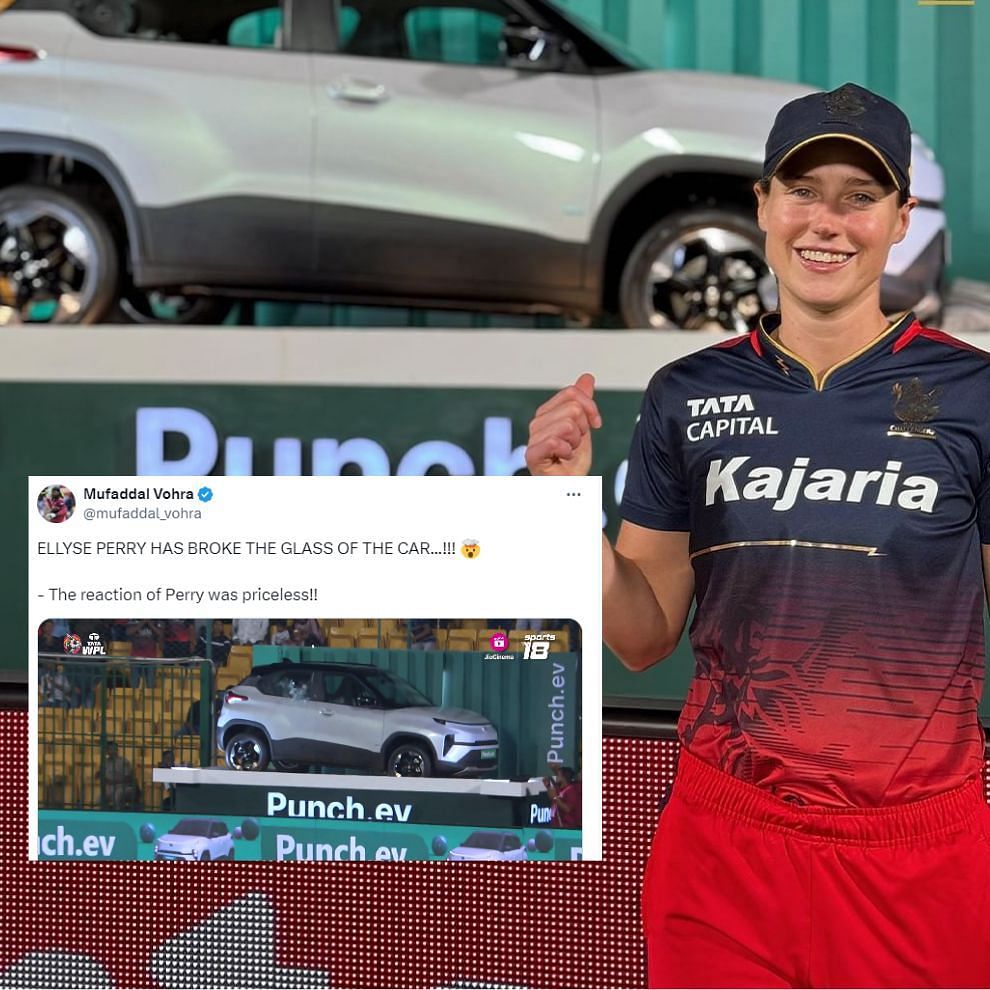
[250, 631]
[422, 634]
[118, 785]
[307, 632]
[48, 642]
[119, 630]
[145, 638]
[56, 689]
[564, 791]
[280, 635]
[533, 625]
[220, 644]
[180, 638]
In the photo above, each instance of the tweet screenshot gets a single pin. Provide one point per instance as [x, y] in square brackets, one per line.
[440, 699]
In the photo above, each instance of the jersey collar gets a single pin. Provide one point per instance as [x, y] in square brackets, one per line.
[795, 368]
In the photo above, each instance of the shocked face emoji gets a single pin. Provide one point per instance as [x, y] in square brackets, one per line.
[470, 549]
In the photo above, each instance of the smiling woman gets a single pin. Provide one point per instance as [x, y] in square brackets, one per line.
[828, 790]
[831, 214]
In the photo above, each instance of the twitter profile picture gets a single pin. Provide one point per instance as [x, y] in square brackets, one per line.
[56, 503]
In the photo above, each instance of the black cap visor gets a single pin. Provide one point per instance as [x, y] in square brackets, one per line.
[780, 157]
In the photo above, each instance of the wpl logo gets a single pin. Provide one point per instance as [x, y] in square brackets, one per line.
[94, 646]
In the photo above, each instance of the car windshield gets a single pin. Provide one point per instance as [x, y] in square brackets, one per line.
[191, 826]
[609, 42]
[484, 840]
[395, 692]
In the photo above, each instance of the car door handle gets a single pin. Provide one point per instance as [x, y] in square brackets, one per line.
[326, 711]
[357, 90]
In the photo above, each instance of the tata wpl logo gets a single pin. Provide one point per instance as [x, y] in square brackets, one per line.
[94, 646]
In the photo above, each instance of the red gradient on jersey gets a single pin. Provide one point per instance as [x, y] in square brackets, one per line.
[829, 684]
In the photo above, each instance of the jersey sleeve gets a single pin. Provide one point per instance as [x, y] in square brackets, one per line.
[655, 494]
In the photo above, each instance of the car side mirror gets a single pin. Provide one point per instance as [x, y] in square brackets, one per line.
[525, 46]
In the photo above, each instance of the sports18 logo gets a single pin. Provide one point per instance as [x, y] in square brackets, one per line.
[537, 647]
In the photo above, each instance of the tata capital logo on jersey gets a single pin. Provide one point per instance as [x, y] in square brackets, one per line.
[726, 416]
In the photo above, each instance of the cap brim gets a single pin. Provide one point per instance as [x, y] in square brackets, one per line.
[877, 153]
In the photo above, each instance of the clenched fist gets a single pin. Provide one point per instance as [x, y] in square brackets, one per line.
[560, 432]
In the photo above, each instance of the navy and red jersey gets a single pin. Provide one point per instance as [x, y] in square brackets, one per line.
[836, 523]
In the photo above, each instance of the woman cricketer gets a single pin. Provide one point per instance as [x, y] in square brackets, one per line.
[820, 488]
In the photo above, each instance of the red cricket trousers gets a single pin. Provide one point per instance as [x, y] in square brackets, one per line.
[743, 889]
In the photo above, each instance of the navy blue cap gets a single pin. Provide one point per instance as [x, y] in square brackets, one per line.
[849, 112]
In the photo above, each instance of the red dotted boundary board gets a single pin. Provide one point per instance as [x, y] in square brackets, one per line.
[332, 924]
[167, 925]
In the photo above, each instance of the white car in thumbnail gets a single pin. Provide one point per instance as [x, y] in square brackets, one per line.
[161, 157]
[489, 845]
[196, 840]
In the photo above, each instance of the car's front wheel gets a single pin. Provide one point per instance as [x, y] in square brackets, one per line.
[247, 750]
[58, 260]
[205, 858]
[698, 270]
[409, 760]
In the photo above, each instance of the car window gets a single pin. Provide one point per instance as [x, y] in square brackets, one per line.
[510, 843]
[453, 34]
[341, 688]
[235, 23]
[218, 829]
[294, 685]
[394, 691]
[191, 826]
[257, 29]
[484, 840]
[465, 32]
[347, 22]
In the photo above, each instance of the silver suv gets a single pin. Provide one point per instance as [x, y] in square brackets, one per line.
[159, 157]
[353, 716]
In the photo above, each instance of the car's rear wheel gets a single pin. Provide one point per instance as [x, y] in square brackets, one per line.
[409, 760]
[698, 270]
[58, 260]
[247, 750]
